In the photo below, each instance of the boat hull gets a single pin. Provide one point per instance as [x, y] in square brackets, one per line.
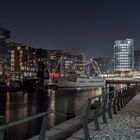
[62, 83]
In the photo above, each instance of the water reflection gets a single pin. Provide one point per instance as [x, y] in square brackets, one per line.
[79, 106]
[7, 112]
[21, 104]
[25, 100]
[52, 100]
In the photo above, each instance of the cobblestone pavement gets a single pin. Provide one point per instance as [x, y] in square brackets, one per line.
[124, 126]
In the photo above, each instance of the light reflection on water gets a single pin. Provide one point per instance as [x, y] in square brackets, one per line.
[7, 112]
[21, 104]
[52, 100]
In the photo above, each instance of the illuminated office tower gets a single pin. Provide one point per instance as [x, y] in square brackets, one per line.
[124, 55]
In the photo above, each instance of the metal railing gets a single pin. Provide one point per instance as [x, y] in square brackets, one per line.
[43, 126]
[110, 102]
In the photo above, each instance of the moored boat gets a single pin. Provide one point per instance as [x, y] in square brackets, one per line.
[94, 81]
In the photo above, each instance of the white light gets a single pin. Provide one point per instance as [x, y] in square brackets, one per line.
[128, 42]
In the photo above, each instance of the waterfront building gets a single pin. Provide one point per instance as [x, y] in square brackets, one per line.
[137, 60]
[54, 59]
[42, 55]
[124, 55]
[42, 62]
[4, 55]
[23, 59]
[106, 65]
[48, 62]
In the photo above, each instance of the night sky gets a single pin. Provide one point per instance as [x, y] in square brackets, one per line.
[78, 26]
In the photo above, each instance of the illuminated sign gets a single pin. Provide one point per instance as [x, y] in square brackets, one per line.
[55, 74]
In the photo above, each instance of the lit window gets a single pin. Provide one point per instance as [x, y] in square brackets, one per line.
[12, 51]
[18, 48]
[12, 55]
[22, 68]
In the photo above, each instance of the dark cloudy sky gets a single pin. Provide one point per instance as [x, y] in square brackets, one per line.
[80, 26]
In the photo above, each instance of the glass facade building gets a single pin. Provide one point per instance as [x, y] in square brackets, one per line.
[4, 54]
[124, 55]
[106, 65]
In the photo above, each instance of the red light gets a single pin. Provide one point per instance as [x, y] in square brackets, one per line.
[55, 74]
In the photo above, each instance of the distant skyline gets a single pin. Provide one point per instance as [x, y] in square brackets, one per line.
[78, 26]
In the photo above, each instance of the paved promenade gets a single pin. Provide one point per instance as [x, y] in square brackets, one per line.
[124, 126]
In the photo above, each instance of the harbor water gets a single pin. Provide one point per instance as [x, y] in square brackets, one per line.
[17, 105]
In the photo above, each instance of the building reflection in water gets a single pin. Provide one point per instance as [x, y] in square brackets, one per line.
[16, 107]
[23, 102]
[80, 106]
[52, 105]
[7, 111]
[25, 108]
